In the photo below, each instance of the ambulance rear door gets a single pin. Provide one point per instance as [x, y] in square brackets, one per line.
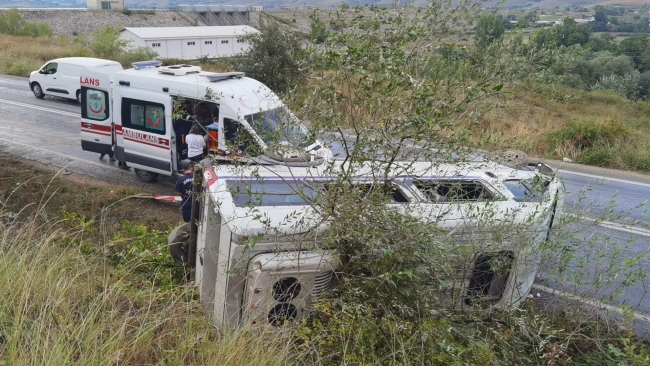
[146, 130]
[96, 118]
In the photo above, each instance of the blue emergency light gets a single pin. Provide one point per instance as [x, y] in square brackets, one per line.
[142, 64]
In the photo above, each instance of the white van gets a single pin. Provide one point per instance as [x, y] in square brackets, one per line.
[60, 77]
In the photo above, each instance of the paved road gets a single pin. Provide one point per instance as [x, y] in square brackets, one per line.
[47, 131]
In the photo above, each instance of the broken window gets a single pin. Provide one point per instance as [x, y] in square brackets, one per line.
[453, 190]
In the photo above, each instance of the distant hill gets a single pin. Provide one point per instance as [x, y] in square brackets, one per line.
[309, 4]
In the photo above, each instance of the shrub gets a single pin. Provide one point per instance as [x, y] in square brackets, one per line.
[12, 23]
[274, 58]
[106, 42]
[134, 55]
[584, 135]
[600, 156]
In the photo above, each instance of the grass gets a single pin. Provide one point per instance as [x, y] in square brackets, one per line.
[21, 55]
[530, 118]
[69, 299]
[87, 280]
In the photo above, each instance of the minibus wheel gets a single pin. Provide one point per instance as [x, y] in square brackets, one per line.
[37, 90]
[145, 176]
[79, 96]
[178, 243]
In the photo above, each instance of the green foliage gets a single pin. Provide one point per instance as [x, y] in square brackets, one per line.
[126, 11]
[488, 29]
[12, 23]
[135, 54]
[626, 85]
[318, 29]
[106, 42]
[274, 57]
[370, 337]
[594, 140]
[145, 251]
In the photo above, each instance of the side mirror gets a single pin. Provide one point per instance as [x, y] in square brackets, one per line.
[545, 171]
[41, 71]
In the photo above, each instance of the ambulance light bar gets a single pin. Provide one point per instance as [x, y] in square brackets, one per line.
[224, 75]
[142, 64]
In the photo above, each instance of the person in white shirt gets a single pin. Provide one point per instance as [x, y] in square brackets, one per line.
[195, 143]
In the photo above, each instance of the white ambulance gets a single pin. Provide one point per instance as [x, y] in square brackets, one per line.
[260, 257]
[142, 117]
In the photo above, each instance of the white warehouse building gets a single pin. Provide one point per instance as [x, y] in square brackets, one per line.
[190, 43]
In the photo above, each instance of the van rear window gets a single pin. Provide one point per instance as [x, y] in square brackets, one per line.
[94, 104]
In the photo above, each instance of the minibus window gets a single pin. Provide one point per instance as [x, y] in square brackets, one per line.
[270, 193]
[453, 190]
[528, 190]
[363, 190]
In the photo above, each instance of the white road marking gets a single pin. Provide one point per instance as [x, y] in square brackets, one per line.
[615, 225]
[590, 301]
[602, 178]
[45, 109]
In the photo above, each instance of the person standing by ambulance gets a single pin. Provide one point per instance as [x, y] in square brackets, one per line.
[184, 187]
[195, 143]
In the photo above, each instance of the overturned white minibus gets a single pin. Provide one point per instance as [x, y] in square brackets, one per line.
[258, 228]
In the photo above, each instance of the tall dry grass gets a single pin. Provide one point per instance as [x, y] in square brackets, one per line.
[21, 55]
[528, 119]
[60, 306]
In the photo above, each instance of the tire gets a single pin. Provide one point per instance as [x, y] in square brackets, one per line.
[145, 176]
[37, 90]
[79, 96]
[178, 243]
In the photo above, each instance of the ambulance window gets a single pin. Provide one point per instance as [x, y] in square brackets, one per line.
[270, 193]
[143, 115]
[137, 115]
[94, 104]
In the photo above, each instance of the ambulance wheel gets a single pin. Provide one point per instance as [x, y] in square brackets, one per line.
[145, 176]
[38, 92]
[79, 96]
[178, 243]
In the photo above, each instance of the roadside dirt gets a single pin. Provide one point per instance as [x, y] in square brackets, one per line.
[28, 188]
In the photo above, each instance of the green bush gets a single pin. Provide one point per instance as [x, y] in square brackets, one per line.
[12, 23]
[598, 157]
[21, 68]
[353, 334]
[106, 43]
[134, 55]
[585, 135]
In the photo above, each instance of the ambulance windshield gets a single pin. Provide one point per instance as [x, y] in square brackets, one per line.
[277, 125]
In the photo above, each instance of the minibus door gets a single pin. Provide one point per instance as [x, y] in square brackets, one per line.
[96, 119]
[147, 133]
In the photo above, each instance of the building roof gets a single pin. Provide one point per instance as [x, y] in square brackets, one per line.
[189, 32]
